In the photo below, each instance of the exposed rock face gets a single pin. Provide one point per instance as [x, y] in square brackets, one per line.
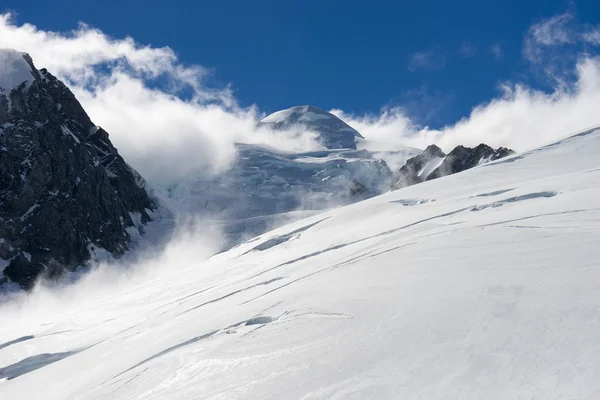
[64, 188]
[463, 158]
[433, 163]
[333, 132]
[412, 172]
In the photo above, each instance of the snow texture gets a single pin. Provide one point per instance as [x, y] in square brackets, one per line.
[430, 167]
[15, 70]
[333, 133]
[266, 189]
[490, 291]
[279, 116]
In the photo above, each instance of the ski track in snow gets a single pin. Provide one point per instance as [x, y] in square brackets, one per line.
[483, 284]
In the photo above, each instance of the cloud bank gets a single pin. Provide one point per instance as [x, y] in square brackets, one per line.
[520, 117]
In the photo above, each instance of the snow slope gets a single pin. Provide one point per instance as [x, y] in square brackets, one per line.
[482, 284]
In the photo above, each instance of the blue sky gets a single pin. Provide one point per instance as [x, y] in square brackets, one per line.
[437, 59]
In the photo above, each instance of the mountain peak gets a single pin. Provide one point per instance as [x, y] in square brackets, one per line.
[66, 192]
[333, 132]
[294, 113]
[15, 68]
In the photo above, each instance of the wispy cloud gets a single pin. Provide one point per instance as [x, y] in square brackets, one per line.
[561, 33]
[554, 31]
[433, 59]
[497, 51]
[548, 33]
[592, 35]
[467, 49]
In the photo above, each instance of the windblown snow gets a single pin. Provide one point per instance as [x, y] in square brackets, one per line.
[482, 284]
[431, 166]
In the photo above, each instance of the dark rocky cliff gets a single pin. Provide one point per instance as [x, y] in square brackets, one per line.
[64, 188]
[434, 163]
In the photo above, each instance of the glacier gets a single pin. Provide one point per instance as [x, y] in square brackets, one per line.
[482, 284]
[267, 188]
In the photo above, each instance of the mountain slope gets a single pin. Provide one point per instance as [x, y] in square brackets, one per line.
[65, 191]
[333, 132]
[483, 284]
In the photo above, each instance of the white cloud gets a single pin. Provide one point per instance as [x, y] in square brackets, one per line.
[497, 51]
[554, 31]
[521, 117]
[592, 36]
[467, 49]
[433, 59]
[558, 32]
[388, 130]
[167, 137]
[160, 134]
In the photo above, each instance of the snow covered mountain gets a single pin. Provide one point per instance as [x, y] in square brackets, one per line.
[333, 133]
[483, 284]
[266, 188]
[65, 192]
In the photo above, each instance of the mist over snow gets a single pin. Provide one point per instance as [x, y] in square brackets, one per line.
[170, 245]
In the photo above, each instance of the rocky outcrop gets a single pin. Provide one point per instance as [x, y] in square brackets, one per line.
[434, 163]
[412, 172]
[64, 189]
[463, 158]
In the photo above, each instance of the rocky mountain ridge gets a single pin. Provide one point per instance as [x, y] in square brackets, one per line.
[433, 163]
[65, 192]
